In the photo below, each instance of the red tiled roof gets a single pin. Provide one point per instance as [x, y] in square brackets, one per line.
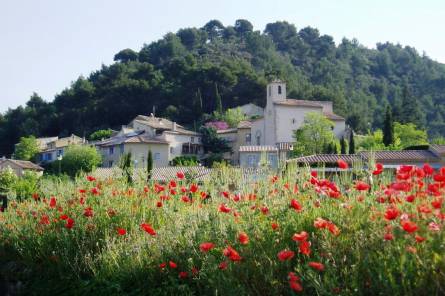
[27, 165]
[245, 124]
[326, 158]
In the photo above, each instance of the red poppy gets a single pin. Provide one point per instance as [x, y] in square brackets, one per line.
[88, 212]
[243, 238]
[296, 205]
[148, 229]
[63, 217]
[314, 174]
[299, 237]
[121, 231]
[203, 195]
[95, 191]
[223, 208]
[419, 238]
[162, 265]
[172, 264]
[293, 277]
[408, 226]
[264, 210]
[427, 169]
[378, 169]
[159, 204]
[205, 247]
[391, 213]
[185, 199]
[361, 186]
[296, 286]
[232, 254]
[274, 225]
[44, 220]
[316, 265]
[223, 265]
[388, 236]
[285, 255]
[69, 223]
[437, 203]
[91, 178]
[180, 175]
[183, 275]
[305, 248]
[225, 194]
[195, 270]
[52, 202]
[342, 164]
[410, 198]
[193, 188]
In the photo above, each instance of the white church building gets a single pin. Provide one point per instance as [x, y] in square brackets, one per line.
[281, 117]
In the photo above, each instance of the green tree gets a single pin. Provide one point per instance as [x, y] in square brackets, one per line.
[351, 143]
[388, 128]
[27, 148]
[212, 143]
[408, 135]
[79, 158]
[126, 165]
[126, 55]
[218, 101]
[100, 134]
[410, 112]
[314, 135]
[342, 145]
[149, 164]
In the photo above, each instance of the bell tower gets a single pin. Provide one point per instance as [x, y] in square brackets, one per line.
[276, 91]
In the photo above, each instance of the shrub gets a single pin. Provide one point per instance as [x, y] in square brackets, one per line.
[78, 159]
[185, 160]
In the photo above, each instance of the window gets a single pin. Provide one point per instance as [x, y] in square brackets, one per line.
[171, 150]
[272, 158]
[251, 160]
[110, 163]
[192, 139]
[49, 156]
[121, 148]
[157, 156]
[59, 152]
[270, 90]
[248, 138]
[293, 120]
[111, 150]
[279, 89]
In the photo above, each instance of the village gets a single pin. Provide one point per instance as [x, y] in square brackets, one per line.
[265, 138]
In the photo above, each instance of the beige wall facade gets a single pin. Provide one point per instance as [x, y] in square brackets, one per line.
[111, 155]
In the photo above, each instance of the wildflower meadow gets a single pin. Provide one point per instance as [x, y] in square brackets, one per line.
[299, 231]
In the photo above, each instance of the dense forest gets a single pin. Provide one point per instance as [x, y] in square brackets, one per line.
[184, 75]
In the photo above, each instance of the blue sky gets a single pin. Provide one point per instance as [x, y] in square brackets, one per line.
[46, 44]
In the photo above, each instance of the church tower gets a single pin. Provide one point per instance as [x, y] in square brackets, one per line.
[276, 91]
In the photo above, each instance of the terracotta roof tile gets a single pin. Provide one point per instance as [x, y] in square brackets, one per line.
[260, 148]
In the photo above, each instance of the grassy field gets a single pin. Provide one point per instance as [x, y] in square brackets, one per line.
[297, 232]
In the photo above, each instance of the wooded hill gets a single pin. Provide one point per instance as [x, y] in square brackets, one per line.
[183, 73]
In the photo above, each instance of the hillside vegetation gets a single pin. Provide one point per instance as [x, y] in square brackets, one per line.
[182, 74]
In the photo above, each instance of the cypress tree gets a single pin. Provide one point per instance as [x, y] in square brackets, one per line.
[351, 143]
[388, 128]
[343, 145]
[149, 164]
[218, 103]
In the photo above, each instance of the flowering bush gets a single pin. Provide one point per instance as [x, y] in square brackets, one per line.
[300, 232]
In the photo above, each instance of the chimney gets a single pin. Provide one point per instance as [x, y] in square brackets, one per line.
[174, 127]
[152, 115]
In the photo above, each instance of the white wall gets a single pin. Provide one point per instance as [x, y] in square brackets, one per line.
[339, 128]
[176, 140]
[290, 118]
[139, 152]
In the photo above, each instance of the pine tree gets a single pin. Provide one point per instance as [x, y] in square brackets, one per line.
[388, 128]
[410, 112]
[149, 164]
[343, 145]
[351, 143]
[127, 167]
[218, 103]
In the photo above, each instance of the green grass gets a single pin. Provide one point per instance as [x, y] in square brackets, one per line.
[92, 258]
